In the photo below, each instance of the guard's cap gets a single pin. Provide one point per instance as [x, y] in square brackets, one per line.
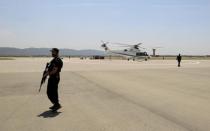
[55, 49]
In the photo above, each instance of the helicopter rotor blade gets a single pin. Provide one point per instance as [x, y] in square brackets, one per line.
[127, 45]
[104, 42]
[121, 44]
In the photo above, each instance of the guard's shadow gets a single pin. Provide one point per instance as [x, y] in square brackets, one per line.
[49, 114]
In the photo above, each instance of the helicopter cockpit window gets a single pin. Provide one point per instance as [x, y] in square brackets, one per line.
[141, 54]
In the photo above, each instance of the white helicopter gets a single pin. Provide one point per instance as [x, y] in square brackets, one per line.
[132, 52]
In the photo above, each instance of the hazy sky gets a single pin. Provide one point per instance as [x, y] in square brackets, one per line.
[180, 26]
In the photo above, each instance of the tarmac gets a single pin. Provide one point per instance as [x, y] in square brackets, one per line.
[107, 95]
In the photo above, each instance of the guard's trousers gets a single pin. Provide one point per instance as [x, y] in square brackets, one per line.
[52, 89]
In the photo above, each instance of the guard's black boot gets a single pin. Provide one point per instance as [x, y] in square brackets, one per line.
[56, 107]
[52, 107]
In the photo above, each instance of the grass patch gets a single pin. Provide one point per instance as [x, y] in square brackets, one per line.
[6, 58]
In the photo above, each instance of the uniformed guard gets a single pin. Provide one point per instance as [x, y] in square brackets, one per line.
[179, 58]
[54, 77]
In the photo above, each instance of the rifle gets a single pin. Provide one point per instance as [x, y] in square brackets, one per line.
[44, 77]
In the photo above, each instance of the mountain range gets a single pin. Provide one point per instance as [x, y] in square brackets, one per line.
[10, 51]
